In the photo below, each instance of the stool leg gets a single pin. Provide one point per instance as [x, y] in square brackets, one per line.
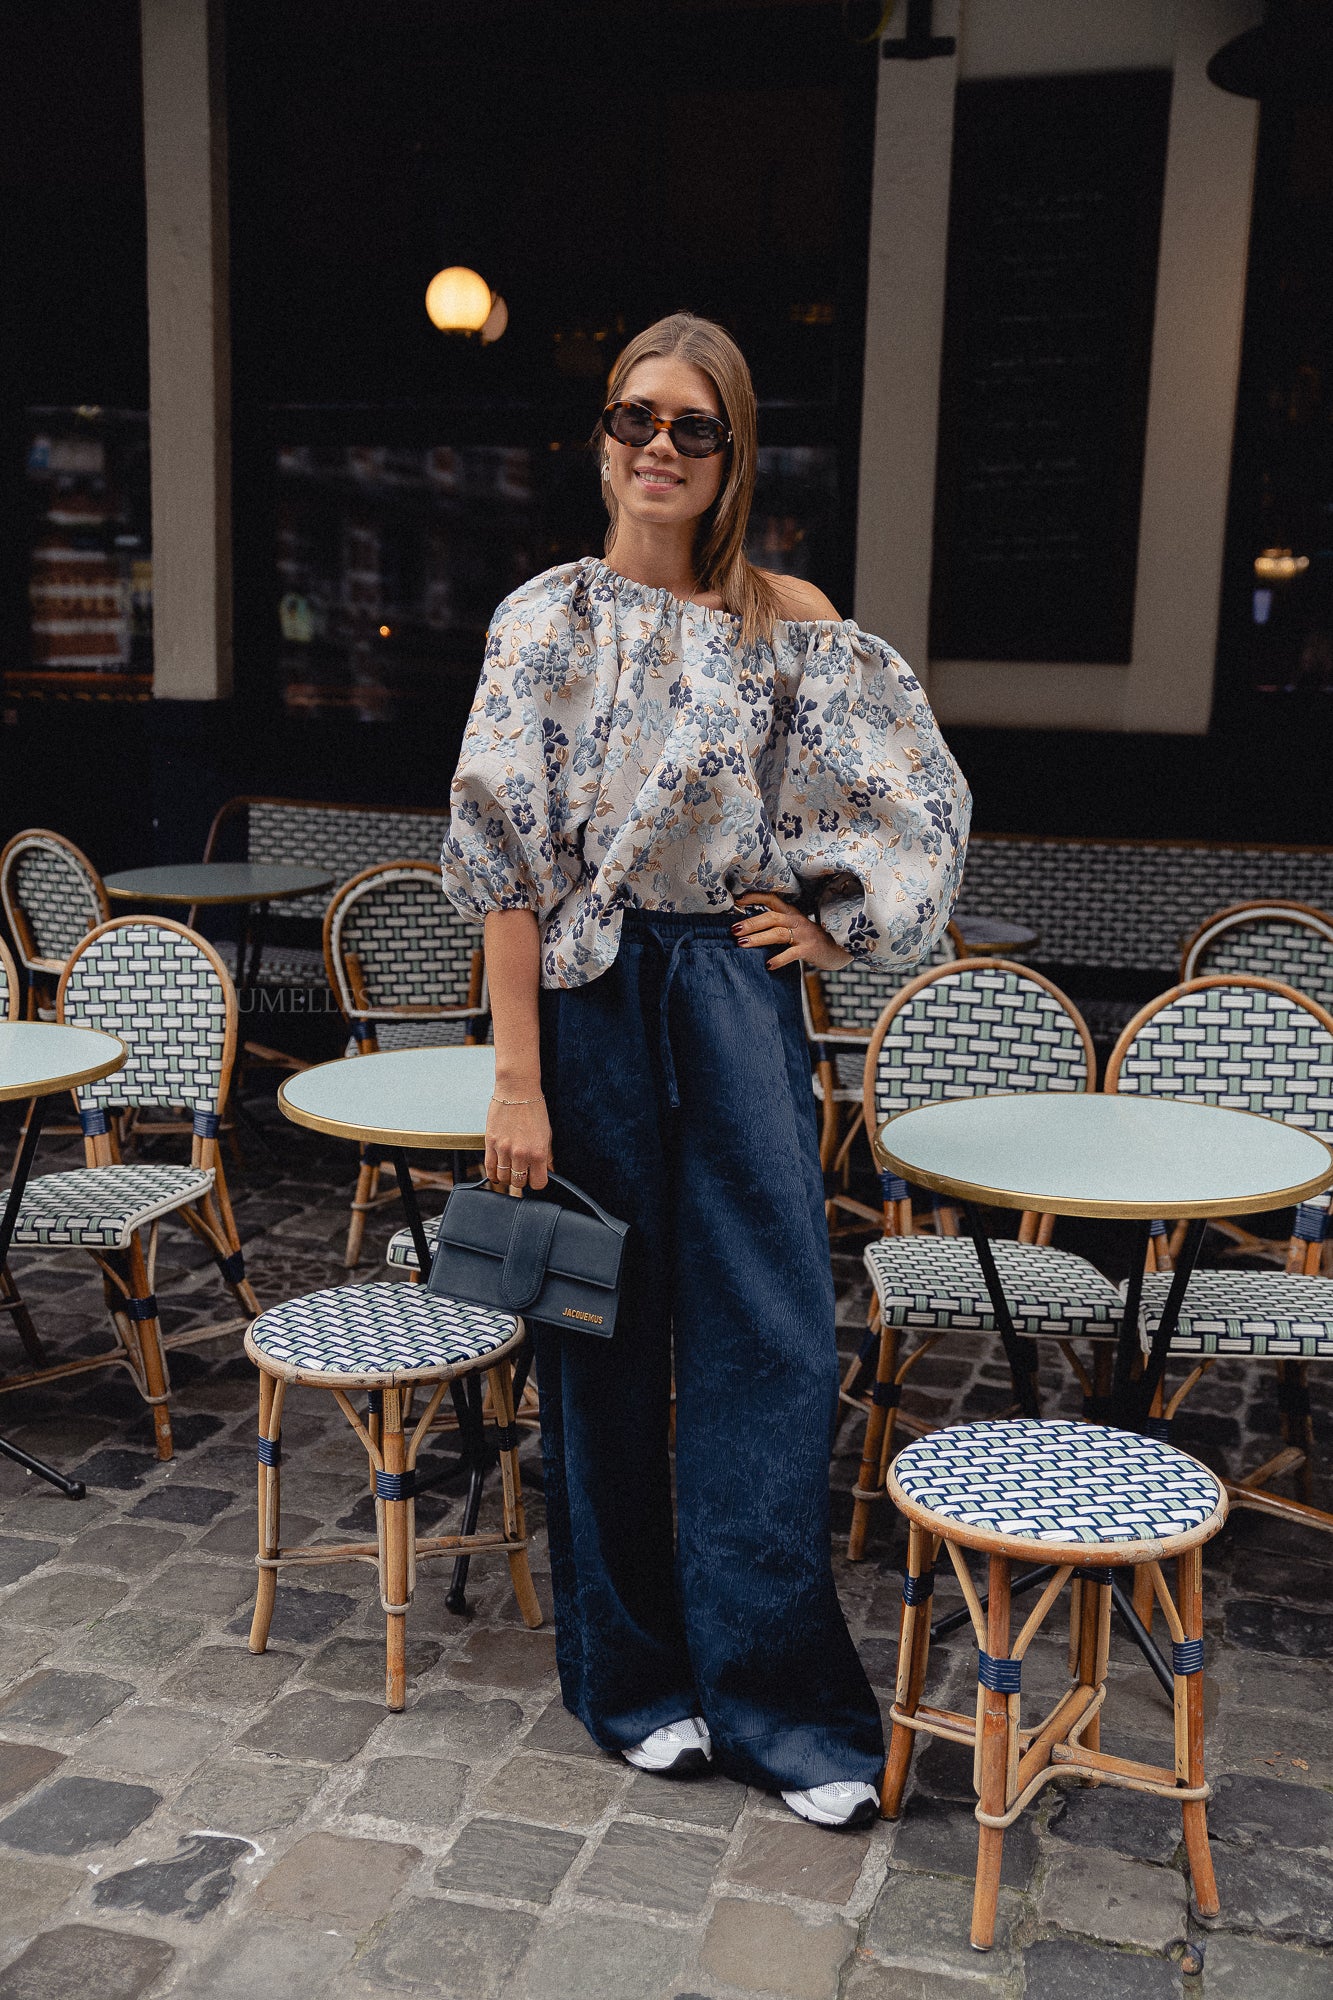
[394, 1556]
[1094, 1642]
[997, 1728]
[1189, 1600]
[913, 1652]
[511, 1486]
[271, 1392]
[880, 1417]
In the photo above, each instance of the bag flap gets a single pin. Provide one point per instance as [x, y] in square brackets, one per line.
[581, 1247]
[525, 1260]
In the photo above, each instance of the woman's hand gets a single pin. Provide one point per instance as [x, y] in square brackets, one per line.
[773, 922]
[518, 1145]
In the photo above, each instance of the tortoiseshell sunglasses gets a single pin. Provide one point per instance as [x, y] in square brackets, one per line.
[694, 437]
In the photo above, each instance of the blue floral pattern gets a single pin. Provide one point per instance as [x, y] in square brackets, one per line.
[625, 749]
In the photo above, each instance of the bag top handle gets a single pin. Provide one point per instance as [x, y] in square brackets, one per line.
[558, 1180]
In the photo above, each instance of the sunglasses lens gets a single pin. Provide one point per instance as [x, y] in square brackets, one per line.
[697, 437]
[628, 423]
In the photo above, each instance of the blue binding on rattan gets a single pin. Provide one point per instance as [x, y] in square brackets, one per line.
[270, 1450]
[1187, 1656]
[94, 1121]
[1001, 1676]
[918, 1589]
[506, 1437]
[887, 1395]
[142, 1308]
[893, 1188]
[233, 1267]
[1158, 1427]
[1311, 1223]
[206, 1124]
[395, 1485]
[362, 1031]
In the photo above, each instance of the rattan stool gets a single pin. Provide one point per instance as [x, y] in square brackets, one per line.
[1086, 1498]
[385, 1340]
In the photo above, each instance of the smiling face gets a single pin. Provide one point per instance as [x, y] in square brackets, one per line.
[652, 484]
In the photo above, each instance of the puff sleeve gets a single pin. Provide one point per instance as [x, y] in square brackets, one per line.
[509, 844]
[871, 809]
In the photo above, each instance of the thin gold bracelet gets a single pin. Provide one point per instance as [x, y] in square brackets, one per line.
[538, 1099]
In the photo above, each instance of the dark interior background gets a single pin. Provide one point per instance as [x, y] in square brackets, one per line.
[600, 164]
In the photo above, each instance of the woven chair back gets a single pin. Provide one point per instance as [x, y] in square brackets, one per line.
[53, 897]
[9, 984]
[857, 993]
[1289, 942]
[165, 992]
[979, 1028]
[1245, 1044]
[394, 941]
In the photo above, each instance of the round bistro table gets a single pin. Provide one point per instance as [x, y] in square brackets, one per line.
[986, 937]
[39, 1059]
[400, 1100]
[212, 884]
[1130, 1158]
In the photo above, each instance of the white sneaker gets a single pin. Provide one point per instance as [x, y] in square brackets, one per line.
[677, 1750]
[838, 1804]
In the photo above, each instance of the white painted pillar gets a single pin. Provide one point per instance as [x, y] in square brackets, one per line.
[185, 170]
[909, 227]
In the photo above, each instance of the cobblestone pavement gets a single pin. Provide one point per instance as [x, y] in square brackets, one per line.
[179, 1817]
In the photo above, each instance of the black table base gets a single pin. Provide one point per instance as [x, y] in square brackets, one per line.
[74, 1489]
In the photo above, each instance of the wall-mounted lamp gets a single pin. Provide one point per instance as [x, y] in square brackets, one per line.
[460, 301]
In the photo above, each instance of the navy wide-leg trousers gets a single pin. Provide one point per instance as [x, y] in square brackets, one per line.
[679, 1089]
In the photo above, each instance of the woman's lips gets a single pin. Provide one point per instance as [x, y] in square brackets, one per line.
[662, 481]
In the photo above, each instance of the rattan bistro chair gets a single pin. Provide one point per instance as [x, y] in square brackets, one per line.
[386, 1342]
[841, 1012]
[980, 1027]
[11, 999]
[1253, 1045]
[1290, 942]
[1086, 1498]
[53, 897]
[165, 993]
[408, 973]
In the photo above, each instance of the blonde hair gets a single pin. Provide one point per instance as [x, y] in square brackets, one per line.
[719, 551]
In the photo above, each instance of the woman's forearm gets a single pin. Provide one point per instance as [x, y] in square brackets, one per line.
[513, 975]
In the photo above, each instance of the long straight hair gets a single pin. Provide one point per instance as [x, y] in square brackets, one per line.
[720, 561]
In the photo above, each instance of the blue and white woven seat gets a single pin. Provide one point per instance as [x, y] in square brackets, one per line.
[932, 1284]
[402, 1251]
[414, 1035]
[100, 1208]
[287, 965]
[391, 1333]
[1060, 1484]
[1260, 1313]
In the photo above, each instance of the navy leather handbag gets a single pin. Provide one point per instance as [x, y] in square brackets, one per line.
[554, 1266]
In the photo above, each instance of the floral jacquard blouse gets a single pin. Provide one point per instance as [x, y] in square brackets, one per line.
[626, 750]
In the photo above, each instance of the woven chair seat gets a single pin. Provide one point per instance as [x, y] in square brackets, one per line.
[402, 1251]
[417, 1034]
[1246, 1312]
[932, 1283]
[100, 1208]
[377, 1334]
[1057, 1483]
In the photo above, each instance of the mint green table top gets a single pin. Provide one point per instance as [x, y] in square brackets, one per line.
[402, 1097]
[203, 882]
[39, 1058]
[1063, 1153]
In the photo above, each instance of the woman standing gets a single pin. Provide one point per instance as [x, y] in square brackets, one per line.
[684, 778]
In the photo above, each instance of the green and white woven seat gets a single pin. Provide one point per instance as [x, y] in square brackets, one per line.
[1259, 1313]
[391, 1333]
[402, 1251]
[100, 1208]
[933, 1284]
[1057, 1483]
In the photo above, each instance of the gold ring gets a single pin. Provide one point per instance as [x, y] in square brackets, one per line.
[521, 1175]
[791, 935]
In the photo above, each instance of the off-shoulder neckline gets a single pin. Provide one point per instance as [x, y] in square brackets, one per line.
[659, 598]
